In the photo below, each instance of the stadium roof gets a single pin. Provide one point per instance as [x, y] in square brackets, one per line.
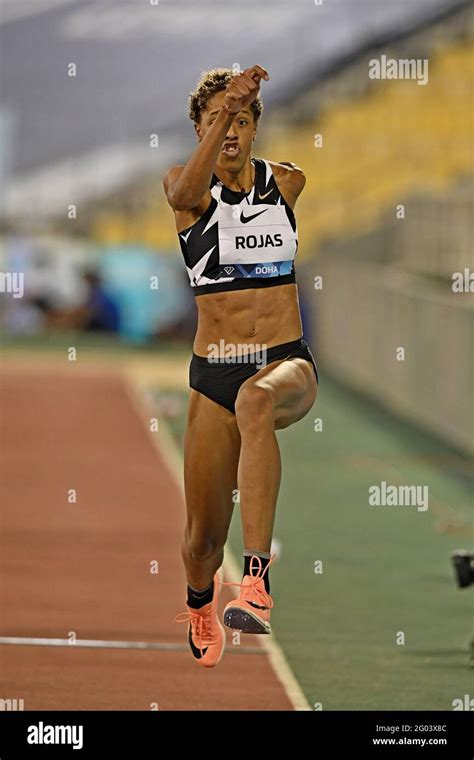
[136, 63]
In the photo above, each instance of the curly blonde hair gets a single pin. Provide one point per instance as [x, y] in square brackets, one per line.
[209, 84]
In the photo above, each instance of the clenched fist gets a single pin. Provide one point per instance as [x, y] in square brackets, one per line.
[243, 89]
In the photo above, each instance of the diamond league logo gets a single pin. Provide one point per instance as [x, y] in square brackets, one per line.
[228, 270]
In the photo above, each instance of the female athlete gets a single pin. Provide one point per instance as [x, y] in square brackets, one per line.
[251, 372]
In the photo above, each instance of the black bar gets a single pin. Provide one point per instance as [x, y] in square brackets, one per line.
[317, 734]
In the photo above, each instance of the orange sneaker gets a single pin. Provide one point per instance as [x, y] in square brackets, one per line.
[206, 634]
[250, 613]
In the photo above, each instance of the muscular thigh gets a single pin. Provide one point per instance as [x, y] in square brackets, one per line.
[292, 386]
[211, 456]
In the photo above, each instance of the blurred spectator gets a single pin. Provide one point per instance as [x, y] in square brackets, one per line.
[98, 312]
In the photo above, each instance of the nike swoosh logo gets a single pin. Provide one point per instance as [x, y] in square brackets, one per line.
[258, 606]
[264, 196]
[245, 219]
[196, 652]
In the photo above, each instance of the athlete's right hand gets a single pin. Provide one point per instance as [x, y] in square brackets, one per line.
[243, 88]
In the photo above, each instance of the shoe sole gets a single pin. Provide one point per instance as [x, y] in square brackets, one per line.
[245, 621]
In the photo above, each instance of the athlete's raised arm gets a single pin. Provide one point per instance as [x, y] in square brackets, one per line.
[186, 185]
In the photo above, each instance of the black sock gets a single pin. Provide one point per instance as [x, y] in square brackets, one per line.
[198, 599]
[264, 559]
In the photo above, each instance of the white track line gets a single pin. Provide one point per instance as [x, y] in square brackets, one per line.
[100, 644]
[168, 450]
[87, 643]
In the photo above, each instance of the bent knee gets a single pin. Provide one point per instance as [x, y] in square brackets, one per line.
[203, 547]
[253, 407]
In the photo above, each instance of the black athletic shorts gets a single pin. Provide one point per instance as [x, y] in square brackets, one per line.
[220, 380]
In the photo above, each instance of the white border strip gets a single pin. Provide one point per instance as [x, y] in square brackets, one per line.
[167, 448]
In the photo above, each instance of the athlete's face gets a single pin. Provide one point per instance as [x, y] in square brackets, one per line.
[238, 142]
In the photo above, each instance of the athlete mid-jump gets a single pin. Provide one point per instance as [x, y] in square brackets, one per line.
[251, 372]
